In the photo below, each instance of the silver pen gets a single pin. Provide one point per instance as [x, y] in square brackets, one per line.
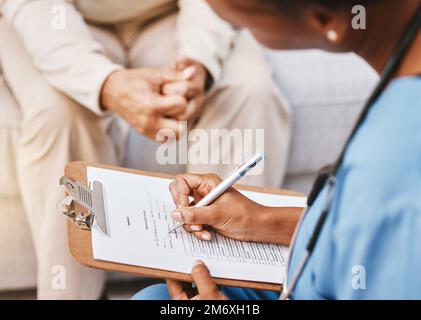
[227, 183]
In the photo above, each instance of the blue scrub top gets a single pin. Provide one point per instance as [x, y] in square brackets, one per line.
[370, 245]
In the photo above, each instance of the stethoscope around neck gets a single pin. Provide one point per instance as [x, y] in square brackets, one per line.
[328, 176]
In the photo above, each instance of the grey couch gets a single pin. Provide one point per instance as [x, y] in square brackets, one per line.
[326, 92]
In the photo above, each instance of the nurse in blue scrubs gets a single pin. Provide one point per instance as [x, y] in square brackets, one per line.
[361, 236]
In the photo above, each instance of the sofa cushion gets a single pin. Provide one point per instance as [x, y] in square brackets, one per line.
[326, 92]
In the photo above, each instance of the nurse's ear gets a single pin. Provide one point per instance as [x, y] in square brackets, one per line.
[330, 26]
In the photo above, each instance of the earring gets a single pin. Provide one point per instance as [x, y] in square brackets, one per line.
[332, 36]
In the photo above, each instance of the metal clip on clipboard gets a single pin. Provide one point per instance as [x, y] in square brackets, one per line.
[90, 199]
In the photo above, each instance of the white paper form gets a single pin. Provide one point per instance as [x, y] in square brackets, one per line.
[138, 212]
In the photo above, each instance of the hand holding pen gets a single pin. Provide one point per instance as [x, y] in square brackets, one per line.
[217, 204]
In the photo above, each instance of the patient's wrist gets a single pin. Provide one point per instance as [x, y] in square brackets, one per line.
[108, 97]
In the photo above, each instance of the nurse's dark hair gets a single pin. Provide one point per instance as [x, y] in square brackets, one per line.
[339, 3]
[327, 3]
[280, 6]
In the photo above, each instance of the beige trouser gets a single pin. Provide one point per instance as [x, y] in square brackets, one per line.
[56, 130]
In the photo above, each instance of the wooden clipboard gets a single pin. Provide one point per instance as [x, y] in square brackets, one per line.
[80, 241]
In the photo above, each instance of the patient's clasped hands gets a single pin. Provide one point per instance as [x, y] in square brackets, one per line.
[151, 99]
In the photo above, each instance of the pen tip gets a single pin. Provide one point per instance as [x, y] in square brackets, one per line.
[175, 227]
